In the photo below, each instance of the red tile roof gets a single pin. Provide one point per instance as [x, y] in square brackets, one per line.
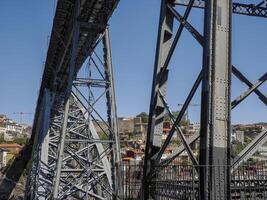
[13, 145]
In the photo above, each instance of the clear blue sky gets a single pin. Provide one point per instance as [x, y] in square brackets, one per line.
[26, 25]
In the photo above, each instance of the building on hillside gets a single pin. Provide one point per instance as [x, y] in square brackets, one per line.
[3, 157]
[26, 131]
[8, 152]
[237, 135]
[2, 130]
[9, 130]
[263, 125]
[250, 130]
[263, 151]
[13, 129]
[12, 148]
[3, 120]
[136, 154]
[193, 128]
[126, 125]
[166, 127]
[140, 128]
[126, 130]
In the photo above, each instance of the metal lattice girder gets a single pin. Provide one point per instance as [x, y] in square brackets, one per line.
[157, 110]
[215, 102]
[158, 105]
[179, 118]
[77, 28]
[242, 78]
[112, 117]
[258, 10]
[82, 166]
[84, 175]
[79, 137]
[79, 163]
[42, 181]
[93, 18]
[92, 13]
[250, 149]
[220, 88]
[194, 137]
[241, 97]
[236, 72]
[45, 155]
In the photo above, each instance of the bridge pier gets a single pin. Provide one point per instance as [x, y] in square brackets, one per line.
[215, 124]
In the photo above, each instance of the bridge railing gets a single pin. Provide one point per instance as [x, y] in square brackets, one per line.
[131, 181]
[248, 181]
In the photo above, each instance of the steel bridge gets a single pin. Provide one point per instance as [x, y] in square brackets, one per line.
[69, 159]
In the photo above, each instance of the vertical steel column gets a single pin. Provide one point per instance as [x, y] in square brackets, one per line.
[43, 169]
[61, 149]
[38, 178]
[112, 115]
[83, 168]
[72, 66]
[157, 109]
[215, 102]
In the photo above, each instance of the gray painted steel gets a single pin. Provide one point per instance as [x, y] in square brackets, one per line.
[215, 102]
[112, 116]
[72, 159]
[77, 157]
[250, 149]
[250, 9]
[77, 162]
[158, 104]
[159, 85]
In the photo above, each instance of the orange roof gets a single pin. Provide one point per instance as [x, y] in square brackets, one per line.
[14, 145]
[127, 159]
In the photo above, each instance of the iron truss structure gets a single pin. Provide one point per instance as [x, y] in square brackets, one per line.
[216, 105]
[74, 148]
[258, 10]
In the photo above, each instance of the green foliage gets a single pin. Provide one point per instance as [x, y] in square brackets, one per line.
[168, 118]
[103, 136]
[237, 147]
[144, 117]
[2, 140]
[247, 139]
[185, 123]
[175, 114]
[20, 141]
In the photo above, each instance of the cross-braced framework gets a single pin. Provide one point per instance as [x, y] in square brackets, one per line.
[78, 152]
[44, 157]
[93, 138]
[216, 105]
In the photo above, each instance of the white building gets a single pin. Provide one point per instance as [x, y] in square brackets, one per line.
[194, 128]
[12, 130]
[237, 135]
[3, 158]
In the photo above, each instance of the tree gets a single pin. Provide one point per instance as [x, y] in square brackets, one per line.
[144, 117]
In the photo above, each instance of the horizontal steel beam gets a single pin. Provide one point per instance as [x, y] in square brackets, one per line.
[257, 10]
